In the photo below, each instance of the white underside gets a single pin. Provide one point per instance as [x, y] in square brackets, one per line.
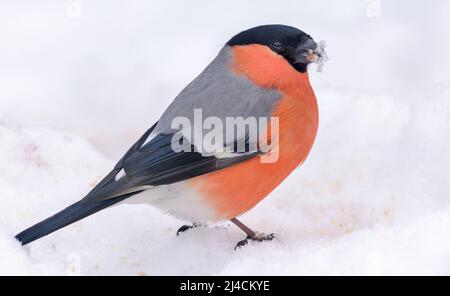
[177, 200]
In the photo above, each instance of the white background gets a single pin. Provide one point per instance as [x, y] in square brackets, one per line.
[373, 197]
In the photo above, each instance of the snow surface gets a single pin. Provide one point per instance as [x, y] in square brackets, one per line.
[372, 198]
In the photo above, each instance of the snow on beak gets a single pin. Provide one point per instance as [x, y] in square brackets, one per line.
[321, 55]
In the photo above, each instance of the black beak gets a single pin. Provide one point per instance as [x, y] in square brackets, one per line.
[306, 52]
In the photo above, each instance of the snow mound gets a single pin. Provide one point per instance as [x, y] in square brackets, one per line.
[41, 171]
[371, 199]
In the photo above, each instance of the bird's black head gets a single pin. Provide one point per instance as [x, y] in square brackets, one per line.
[297, 47]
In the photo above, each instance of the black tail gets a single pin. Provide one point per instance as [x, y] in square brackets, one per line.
[69, 215]
[93, 202]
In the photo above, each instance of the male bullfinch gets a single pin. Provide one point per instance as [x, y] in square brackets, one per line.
[259, 73]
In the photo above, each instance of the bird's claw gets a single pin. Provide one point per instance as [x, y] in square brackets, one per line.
[186, 228]
[259, 237]
[242, 242]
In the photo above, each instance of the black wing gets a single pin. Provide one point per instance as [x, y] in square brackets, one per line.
[152, 164]
[156, 163]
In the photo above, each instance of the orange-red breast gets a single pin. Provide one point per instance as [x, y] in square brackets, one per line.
[259, 73]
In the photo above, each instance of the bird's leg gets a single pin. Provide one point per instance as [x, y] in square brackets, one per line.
[252, 235]
[187, 227]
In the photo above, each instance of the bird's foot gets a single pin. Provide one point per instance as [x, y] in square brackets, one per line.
[259, 237]
[186, 228]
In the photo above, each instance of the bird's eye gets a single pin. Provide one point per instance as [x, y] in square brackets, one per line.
[277, 46]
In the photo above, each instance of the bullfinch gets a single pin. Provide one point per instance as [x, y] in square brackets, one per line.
[259, 73]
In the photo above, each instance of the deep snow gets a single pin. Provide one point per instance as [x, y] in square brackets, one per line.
[372, 198]
[351, 209]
